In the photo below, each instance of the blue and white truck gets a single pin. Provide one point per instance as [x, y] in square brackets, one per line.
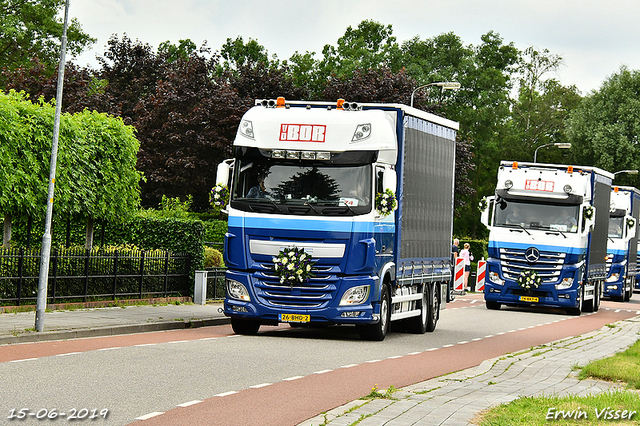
[548, 236]
[339, 213]
[622, 244]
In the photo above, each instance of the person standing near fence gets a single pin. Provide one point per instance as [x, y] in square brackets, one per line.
[454, 256]
[468, 257]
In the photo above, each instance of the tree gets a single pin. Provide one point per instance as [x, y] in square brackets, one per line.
[604, 128]
[33, 28]
[186, 127]
[95, 175]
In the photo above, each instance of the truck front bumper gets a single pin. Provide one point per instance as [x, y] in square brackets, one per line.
[545, 296]
[262, 309]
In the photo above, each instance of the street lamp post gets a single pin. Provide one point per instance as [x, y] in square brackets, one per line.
[631, 172]
[561, 145]
[446, 85]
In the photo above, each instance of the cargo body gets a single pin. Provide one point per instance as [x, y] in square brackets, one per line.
[622, 243]
[548, 236]
[319, 169]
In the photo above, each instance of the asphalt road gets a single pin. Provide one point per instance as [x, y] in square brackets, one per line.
[280, 377]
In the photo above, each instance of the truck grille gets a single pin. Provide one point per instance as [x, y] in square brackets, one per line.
[548, 266]
[317, 293]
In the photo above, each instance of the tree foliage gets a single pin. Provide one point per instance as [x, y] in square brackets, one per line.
[33, 28]
[604, 128]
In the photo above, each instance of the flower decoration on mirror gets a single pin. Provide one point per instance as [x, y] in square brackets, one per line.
[219, 197]
[588, 212]
[386, 202]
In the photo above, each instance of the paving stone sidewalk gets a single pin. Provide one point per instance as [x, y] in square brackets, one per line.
[455, 399]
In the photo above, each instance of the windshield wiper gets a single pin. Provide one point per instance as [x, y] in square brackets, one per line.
[517, 225]
[556, 232]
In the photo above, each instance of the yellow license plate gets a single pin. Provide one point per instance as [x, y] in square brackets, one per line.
[528, 299]
[294, 318]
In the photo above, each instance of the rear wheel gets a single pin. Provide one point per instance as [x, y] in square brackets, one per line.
[434, 308]
[378, 331]
[243, 326]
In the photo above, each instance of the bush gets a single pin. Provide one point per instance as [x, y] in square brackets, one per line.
[212, 258]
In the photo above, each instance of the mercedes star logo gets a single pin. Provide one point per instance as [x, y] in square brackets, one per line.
[532, 255]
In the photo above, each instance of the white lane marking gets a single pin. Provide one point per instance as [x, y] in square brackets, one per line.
[488, 335]
[616, 311]
[415, 353]
[26, 359]
[347, 366]
[148, 416]
[110, 349]
[179, 341]
[322, 372]
[293, 378]
[68, 353]
[146, 344]
[372, 361]
[226, 393]
[187, 404]
[394, 357]
[463, 342]
[260, 385]
[208, 338]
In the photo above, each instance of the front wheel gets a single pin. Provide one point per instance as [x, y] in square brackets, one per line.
[578, 310]
[243, 326]
[377, 332]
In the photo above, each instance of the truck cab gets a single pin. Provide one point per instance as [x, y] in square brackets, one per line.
[547, 240]
[621, 244]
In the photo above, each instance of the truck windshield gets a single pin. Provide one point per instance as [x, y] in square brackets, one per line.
[285, 188]
[563, 218]
[615, 227]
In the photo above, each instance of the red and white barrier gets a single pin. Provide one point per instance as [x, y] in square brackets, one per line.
[482, 269]
[458, 273]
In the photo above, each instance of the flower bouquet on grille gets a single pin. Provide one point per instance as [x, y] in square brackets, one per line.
[293, 265]
[529, 279]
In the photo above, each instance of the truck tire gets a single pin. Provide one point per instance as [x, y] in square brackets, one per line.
[494, 306]
[246, 327]
[577, 311]
[434, 308]
[429, 312]
[377, 332]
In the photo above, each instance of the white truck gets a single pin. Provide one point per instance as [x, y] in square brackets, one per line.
[339, 213]
[622, 243]
[548, 236]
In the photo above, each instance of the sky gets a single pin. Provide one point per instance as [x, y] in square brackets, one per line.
[594, 38]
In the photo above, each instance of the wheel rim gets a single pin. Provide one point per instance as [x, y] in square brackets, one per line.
[384, 309]
[436, 306]
[424, 312]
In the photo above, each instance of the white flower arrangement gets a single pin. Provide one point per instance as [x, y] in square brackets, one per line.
[529, 279]
[219, 197]
[588, 212]
[386, 202]
[293, 265]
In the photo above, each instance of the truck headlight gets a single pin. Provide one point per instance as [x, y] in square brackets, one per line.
[355, 295]
[495, 278]
[614, 277]
[237, 291]
[565, 284]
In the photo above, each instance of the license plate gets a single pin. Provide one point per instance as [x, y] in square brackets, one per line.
[294, 318]
[528, 299]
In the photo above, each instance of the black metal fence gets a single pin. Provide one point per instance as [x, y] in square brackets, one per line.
[215, 283]
[82, 275]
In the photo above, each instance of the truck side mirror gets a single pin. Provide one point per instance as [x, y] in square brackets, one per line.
[631, 226]
[222, 176]
[389, 180]
[486, 205]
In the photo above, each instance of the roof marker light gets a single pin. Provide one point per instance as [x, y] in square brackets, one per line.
[615, 189]
[570, 169]
[514, 166]
[340, 103]
[280, 102]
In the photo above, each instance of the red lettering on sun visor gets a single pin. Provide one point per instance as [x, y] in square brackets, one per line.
[302, 132]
